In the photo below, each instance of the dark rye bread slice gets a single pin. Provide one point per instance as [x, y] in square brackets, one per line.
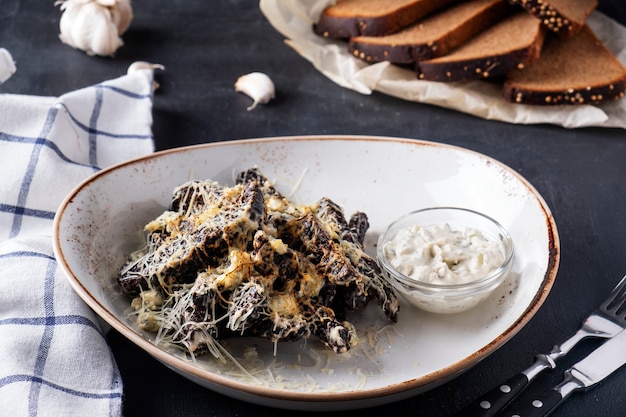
[348, 18]
[513, 42]
[576, 70]
[431, 36]
[565, 17]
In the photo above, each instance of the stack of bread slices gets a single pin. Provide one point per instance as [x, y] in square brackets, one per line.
[541, 51]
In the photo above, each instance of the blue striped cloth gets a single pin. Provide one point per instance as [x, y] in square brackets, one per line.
[54, 358]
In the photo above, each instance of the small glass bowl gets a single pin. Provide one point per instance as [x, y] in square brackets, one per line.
[447, 298]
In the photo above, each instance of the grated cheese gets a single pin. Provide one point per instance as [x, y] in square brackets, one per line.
[245, 261]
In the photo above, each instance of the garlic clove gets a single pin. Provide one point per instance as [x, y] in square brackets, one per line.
[122, 15]
[7, 65]
[257, 86]
[78, 34]
[104, 39]
[70, 14]
[106, 3]
[142, 65]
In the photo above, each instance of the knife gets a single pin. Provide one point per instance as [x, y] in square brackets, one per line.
[598, 365]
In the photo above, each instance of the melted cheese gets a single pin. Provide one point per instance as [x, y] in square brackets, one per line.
[311, 284]
[279, 246]
[209, 207]
[239, 268]
[166, 222]
[284, 304]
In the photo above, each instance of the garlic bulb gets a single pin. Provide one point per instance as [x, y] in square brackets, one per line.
[256, 85]
[94, 26]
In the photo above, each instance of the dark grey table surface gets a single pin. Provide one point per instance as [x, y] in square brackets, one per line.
[206, 45]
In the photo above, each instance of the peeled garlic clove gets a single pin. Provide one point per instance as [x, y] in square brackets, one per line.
[256, 85]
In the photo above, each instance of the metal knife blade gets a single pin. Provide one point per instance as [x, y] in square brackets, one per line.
[598, 365]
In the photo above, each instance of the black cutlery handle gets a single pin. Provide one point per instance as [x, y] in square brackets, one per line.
[491, 403]
[538, 407]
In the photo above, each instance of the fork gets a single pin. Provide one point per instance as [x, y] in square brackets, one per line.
[604, 322]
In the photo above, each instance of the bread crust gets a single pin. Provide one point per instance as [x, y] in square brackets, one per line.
[341, 26]
[409, 45]
[576, 96]
[556, 18]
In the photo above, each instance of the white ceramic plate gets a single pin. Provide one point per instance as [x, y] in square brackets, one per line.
[99, 224]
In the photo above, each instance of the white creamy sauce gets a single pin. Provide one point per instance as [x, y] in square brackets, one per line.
[440, 254]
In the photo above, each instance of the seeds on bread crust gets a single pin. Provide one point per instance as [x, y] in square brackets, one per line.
[564, 17]
[587, 95]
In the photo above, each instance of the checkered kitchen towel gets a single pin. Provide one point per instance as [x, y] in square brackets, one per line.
[54, 358]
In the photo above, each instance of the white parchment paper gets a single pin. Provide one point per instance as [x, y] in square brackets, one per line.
[294, 20]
